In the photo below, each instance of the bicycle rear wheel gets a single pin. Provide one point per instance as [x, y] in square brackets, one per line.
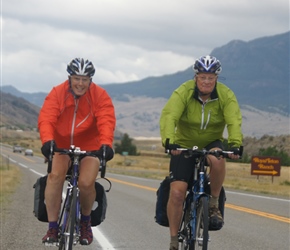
[201, 230]
[67, 237]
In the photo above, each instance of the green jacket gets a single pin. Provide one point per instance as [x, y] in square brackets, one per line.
[186, 121]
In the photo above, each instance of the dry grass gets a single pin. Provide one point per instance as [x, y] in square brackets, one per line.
[239, 177]
[26, 139]
[238, 174]
[150, 166]
[9, 178]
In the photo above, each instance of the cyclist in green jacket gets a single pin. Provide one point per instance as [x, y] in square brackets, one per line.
[196, 114]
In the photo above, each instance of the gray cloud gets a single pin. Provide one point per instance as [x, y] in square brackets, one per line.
[126, 39]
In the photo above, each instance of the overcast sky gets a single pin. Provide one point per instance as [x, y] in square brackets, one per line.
[125, 39]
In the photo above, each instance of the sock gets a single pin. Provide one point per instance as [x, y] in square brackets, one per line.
[85, 217]
[214, 201]
[53, 224]
[174, 242]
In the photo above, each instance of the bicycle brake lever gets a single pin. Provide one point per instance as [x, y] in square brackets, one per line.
[103, 163]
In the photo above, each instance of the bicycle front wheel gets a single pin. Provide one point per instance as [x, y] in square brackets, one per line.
[201, 230]
[67, 238]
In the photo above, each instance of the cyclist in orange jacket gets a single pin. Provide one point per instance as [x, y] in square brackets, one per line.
[76, 112]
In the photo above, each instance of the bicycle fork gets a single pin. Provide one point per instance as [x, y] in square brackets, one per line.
[195, 221]
[65, 214]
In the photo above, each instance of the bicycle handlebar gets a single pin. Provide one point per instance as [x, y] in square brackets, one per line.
[76, 151]
[194, 151]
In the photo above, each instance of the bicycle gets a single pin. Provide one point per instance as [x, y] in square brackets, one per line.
[69, 220]
[193, 232]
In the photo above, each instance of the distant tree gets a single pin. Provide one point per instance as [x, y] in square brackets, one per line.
[273, 151]
[126, 145]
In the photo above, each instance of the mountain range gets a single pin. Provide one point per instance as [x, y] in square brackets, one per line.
[257, 71]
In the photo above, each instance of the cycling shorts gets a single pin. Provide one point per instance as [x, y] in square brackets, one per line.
[182, 169]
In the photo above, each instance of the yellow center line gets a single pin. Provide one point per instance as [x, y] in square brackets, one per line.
[133, 184]
[231, 206]
[28, 159]
[260, 213]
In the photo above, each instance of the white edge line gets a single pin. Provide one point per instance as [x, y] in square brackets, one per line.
[105, 244]
[258, 196]
[22, 165]
[102, 239]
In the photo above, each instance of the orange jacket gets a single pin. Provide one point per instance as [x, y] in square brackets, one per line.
[86, 122]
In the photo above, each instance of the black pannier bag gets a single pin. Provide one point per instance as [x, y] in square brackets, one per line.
[97, 215]
[39, 208]
[99, 209]
[161, 203]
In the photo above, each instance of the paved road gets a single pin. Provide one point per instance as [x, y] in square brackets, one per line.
[251, 221]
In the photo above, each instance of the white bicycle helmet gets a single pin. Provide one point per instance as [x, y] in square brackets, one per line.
[81, 67]
[207, 64]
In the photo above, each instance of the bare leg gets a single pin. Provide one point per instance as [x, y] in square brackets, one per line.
[175, 205]
[217, 174]
[54, 185]
[88, 174]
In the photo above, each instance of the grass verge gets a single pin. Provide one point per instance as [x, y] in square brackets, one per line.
[9, 178]
[238, 175]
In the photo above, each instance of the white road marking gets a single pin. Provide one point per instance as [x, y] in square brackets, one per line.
[102, 239]
[98, 235]
[258, 196]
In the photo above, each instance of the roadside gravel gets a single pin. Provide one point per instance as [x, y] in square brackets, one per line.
[20, 230]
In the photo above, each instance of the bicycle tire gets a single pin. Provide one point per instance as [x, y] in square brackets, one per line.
[72, 218]
[201, 229]
[67, 241]
[185, 232]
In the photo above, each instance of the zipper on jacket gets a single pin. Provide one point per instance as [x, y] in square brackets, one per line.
[208, 118]
[202, 125]
[73, 122]
[202, 116]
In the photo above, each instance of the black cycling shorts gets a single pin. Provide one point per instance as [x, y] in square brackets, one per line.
[182, 169]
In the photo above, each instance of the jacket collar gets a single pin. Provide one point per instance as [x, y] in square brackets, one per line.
[213, 95]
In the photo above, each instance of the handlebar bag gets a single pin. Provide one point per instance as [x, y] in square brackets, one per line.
[39, 207]
[161, 203]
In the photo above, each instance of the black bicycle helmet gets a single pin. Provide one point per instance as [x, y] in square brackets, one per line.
[207, 64]
[81, 67]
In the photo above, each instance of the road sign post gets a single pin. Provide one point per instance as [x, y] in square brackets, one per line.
[265, 165]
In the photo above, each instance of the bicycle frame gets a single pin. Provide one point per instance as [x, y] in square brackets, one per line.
[71, 238]
[70, 216]
[195, 193]
[65, 213]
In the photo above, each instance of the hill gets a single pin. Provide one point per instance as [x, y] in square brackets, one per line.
[139, 117]
[16, 112]
[258, 72]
